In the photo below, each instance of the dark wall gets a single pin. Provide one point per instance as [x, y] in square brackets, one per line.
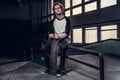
[10, 9]
[14, 21]
[18, 26]
[10, 35]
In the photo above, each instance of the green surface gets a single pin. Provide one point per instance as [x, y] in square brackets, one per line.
[110, 46]
[106, 47]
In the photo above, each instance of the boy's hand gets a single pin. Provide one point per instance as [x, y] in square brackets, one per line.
[51, 35]
[56, 36]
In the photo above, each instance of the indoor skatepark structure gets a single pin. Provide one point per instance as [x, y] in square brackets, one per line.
[31, 70]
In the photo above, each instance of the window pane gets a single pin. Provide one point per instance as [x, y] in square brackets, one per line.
[91, 6]
[91, 35]
[77, 10]
[44, 20]
[76, 2]
[109, 27]
[49, 18]
[67, 3]
[108, 32]
[52, 17]
[87, 0]
[51, 6]
[67, 13]
[107, 3]
[77, 35]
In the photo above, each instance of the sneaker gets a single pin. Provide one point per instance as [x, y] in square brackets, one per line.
[59, 75]
[60, 72]
[45, 72]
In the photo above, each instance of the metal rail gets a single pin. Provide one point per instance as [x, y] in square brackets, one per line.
[98, 54]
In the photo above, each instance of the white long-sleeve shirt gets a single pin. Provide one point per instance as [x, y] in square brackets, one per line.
[59, 27]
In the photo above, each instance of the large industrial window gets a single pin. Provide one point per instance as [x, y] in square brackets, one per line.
[90, 35]
[74, 7]
[46, 10]
[69, 7]
[77, 6]
[77, 35]
[108, 32]
[107, 3]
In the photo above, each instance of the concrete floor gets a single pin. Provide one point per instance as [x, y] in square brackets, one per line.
[28, 70]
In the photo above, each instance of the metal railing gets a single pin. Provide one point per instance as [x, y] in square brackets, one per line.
[98, 54]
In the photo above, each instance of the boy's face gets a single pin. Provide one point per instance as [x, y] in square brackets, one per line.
[57, 10]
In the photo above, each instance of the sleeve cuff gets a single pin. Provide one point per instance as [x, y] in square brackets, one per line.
[63, 35]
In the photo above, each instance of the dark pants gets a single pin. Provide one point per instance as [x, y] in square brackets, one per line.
[52, 48]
